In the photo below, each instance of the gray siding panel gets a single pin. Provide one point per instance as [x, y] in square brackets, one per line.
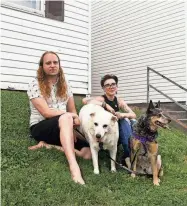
[128, 36]
[24, 37]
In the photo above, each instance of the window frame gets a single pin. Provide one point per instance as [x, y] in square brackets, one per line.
[25, 9]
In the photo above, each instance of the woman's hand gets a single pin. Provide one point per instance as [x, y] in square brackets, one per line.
[76, 121]
[74, 115]
[118, 115]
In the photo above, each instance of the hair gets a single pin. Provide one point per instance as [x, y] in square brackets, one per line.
[108, 76]
[43, 84]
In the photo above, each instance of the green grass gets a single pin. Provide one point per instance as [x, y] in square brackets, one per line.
[42, 177]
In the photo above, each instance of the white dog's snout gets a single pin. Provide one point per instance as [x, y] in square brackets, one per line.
[98, 136]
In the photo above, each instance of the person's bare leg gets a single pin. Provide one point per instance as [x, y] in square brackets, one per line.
[67, 141]
[39, 145]
[47, 146]
[84, 152]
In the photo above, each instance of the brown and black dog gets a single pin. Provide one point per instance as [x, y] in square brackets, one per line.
[144, 147]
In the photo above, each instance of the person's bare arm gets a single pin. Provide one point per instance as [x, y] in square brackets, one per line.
[71, 108]
[71, 105]
[41, 105]
[127, 111]
[93, 100]
[99, 100]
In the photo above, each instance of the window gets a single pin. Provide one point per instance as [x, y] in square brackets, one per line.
[54, 10]
[49, 9]
[30, 4]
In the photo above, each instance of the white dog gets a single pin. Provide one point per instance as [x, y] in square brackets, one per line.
[98, 126]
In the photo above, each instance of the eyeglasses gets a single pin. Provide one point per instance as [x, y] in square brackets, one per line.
[50, 62]
[113, 85]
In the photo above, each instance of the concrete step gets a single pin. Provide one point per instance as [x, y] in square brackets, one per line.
[172, 106]
[180, 123]
[184, 121]
[178, 114]
[179, 117]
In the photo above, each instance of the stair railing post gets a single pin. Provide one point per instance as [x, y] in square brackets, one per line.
[147, 84]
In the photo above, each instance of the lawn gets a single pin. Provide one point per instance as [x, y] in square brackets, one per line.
[42, 177]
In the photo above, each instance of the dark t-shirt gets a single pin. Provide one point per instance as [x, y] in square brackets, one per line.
[113, 104]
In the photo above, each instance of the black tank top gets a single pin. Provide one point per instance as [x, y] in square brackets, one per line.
[113, 104]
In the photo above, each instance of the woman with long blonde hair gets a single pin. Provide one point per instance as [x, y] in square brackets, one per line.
[53, 113]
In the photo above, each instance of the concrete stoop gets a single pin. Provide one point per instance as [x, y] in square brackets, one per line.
[171, 110]
[176, 114]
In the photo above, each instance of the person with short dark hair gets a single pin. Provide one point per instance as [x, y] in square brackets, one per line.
[53, 114]
[113, 104]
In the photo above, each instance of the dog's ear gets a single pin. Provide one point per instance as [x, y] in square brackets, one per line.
[150, 107]
[113, 120]
[92, 114]
[158, 104]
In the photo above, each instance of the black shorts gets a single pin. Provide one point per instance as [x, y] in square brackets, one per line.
[49, 132]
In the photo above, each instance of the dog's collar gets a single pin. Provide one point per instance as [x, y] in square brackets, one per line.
[144, 139]
[101, 145]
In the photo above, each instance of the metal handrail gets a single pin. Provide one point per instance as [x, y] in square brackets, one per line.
[181, 87]
[149, 85]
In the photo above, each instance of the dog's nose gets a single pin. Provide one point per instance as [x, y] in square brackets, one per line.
[169, 120]
[98, 136]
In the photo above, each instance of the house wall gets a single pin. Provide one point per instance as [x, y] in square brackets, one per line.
[25, 37]
[128, 36]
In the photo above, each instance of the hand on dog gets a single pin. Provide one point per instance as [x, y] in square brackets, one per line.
[76, 121]
[110, 109]
[118, 115]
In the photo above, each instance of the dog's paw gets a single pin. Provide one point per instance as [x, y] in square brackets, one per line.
[113, 170]
[156, 183]
[96, 171]
[133, 175]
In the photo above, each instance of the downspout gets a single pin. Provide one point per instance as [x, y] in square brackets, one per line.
[89, 51]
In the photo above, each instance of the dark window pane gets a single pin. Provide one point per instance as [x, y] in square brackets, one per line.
[54, 10]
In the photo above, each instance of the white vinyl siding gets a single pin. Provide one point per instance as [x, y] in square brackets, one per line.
[128, 36]
[25, 37]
